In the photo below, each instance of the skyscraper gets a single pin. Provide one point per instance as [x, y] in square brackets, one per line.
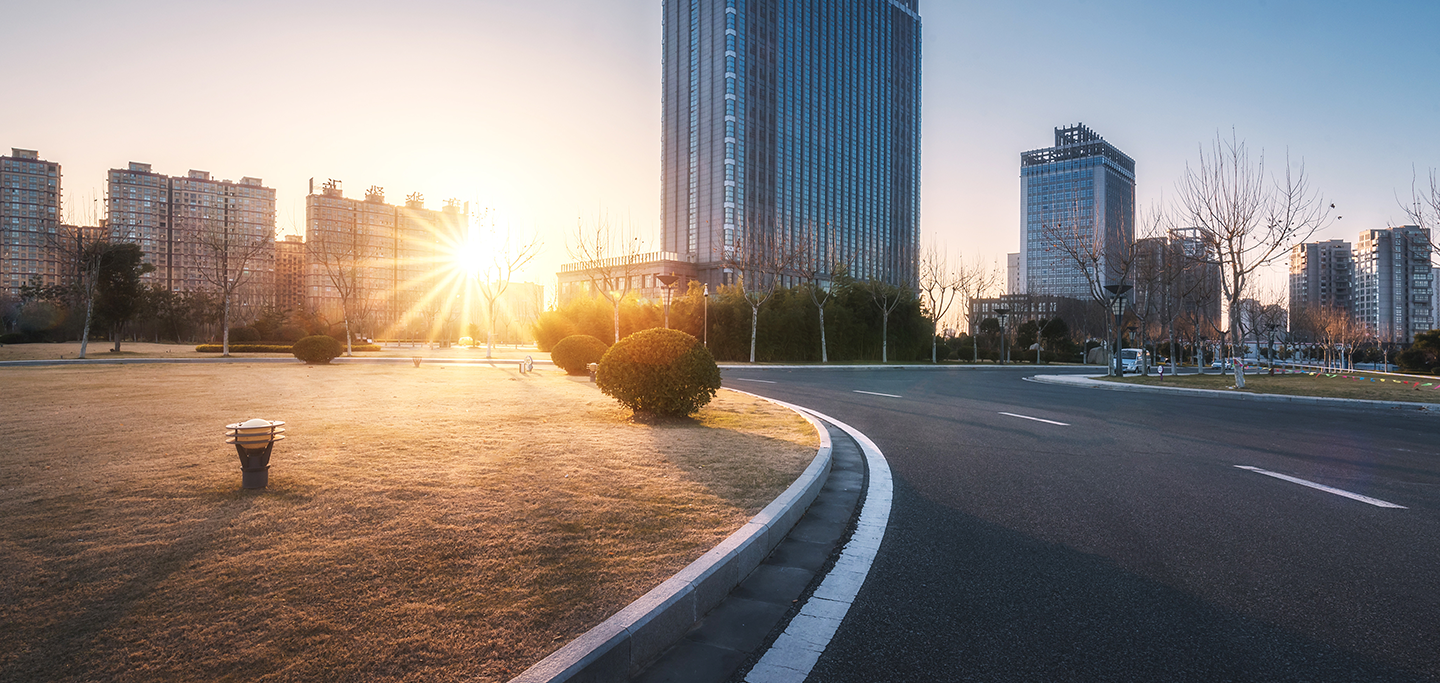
[1321, 276]
[29, 217]
[795, 121]
[1077, 214]
[1392, 283]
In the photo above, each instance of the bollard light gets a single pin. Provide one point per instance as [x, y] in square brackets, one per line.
[253, 440]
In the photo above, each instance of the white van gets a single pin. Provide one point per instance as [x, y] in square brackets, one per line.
[1133, 360]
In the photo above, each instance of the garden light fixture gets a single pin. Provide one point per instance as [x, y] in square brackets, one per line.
[253, 440]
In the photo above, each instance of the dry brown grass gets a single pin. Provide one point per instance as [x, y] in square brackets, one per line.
[1306, 385]
[101, 350]
[421, 524]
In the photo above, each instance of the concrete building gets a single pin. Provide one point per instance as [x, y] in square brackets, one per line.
[396, 264]
[1321, 276]
[290, 268]
[1077, 197]
[637, 275]
[29, 218]
[792, 122]
[1024, 308]
[174, 219]
[1013, 282]
[1394, 285]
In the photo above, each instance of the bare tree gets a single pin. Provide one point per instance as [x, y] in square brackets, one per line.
[1424, 209]
[346, 257]
[762, 258]
[509, 253]
[227, 263]
[975, 280]
[610, 258]
[819, 265]
[1248, 219]
[939, 287]
[1078, 233]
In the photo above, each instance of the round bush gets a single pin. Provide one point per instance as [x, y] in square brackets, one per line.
[659, 372]
[574, 353]
[243, 335]
[317, 349]
[466, 341]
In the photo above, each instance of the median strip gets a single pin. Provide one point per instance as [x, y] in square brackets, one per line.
[1321, 487]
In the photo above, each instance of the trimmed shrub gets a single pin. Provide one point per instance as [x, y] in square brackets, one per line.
[244, 335]
[317, 349]
[574, 353]
[659, 372]
[12, 338]
[466, 341]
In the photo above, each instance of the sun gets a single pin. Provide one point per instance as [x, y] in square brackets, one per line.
[471, 256]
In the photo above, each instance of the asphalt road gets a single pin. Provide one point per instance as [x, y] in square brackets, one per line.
[1124, 544]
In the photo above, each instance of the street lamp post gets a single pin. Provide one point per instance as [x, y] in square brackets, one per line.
[1117, 306]
[1004, 314]
[707, 315]
[669, 282]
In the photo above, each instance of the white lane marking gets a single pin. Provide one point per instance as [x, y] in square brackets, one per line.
[795, 652]
[742, 379]
[1321, 487]
[1027, 417]
[876, 393]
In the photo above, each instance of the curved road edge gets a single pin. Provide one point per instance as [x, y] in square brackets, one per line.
[1084, 382]
[646, 627]
[805, 638]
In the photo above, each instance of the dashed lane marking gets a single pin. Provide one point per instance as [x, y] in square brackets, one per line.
[1037, 419]
[1321, 487]
[876, 393]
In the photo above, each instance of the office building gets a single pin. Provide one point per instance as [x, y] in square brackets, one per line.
[394, 265]
[179, 220]
[29, 218]
[1076, 199]
[792, 123]
[1321, 276]
[1393, 283]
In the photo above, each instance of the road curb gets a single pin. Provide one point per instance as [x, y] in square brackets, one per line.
[637, 634]
[34, 362]
[767, 366]
[1081, 381]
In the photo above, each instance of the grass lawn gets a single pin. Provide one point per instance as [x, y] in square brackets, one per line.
[101, 349]
[1305, 385]
[421, 524]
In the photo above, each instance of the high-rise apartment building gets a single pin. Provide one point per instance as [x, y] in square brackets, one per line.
[175, 218]
[1321, 276]
[1393, 283]
[29, 218]
[290, 273]
[792, 121]
[1076, 198]
[1013, 283]
[393, 263]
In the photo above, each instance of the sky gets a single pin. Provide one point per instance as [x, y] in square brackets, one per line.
[548, 112]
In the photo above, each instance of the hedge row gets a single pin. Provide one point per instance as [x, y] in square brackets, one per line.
[267, 348]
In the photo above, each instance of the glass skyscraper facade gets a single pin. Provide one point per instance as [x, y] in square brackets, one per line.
[793, 122]
[1077, 197]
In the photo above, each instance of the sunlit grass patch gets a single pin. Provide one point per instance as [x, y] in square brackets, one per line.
[432, 522]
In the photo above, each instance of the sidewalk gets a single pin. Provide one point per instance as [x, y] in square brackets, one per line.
[1089, 382]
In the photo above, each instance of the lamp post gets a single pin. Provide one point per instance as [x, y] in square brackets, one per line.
[1004, 314]
[669, 282]
[1117, 306]
[253, 440]
[707, 315]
